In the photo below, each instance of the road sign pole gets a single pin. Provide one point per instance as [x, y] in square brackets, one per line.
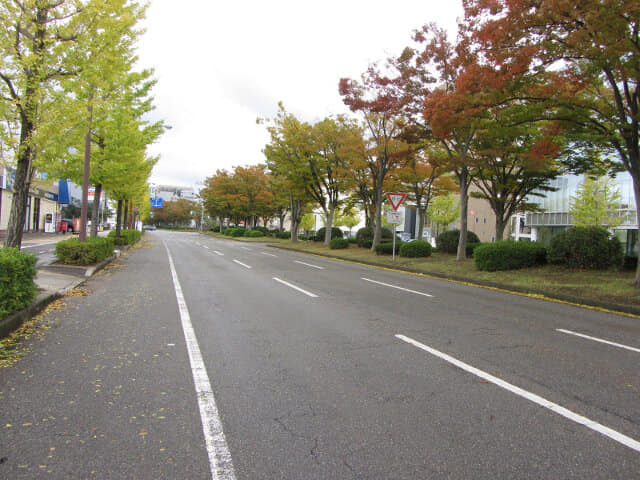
[394, 243]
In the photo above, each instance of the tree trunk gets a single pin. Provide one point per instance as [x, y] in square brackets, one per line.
[95, 212]
[125, 209]
[22, 182]
[329, 226]
[463, 178]
[635, 175]
[85, 175]
[119, 218]
[501, 224]
[296, 210]
[377, 230]
[422, 213]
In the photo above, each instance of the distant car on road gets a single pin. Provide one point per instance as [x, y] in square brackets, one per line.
[65, 225]
[149, 227]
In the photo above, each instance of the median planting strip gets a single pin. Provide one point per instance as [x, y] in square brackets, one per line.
[532, 397]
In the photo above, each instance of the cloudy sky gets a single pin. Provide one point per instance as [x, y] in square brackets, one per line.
[220, 65]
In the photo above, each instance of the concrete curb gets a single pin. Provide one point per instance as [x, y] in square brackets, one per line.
[14, 320]
[545, 295]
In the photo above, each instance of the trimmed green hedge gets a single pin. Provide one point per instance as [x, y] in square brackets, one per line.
[447, 242]
[591, 248]
[387, 248]
[127, 237]
[283, 235]
[417, 248]
[509, 255]
[337, 243]
[335, 233]
[238, 232]
[364, 236]
[17, 271]
[94, 250]
[253, 234]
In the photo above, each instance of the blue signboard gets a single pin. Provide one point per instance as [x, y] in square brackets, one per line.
[63, 192]
[156, 202]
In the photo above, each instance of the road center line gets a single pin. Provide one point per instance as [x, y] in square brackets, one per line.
[309, 265]
[395, 286]
[246, 248]
[206, 247]
[554, 407]
[218, 253]
[312, 295]
[269, 254]
[600, 340]
[220, 461]
[240, 263]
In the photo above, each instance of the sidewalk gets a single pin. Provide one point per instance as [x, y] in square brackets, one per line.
[52, 281]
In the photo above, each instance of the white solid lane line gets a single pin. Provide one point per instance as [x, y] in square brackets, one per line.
[532, 397]
[245, 248]
[269, 254]
[242, 264]
[312, 295]
[600, 340]
[218, 253]
[206, 247]
[309, 265]
[220, 462]
[396, 287]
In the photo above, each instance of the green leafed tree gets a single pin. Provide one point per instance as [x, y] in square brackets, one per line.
[597, 204]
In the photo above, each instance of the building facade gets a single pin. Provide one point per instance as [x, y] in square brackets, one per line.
[43, 209]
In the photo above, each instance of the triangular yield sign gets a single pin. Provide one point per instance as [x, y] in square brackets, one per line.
[396, 199]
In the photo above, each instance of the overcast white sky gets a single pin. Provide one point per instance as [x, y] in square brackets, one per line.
[220, 65]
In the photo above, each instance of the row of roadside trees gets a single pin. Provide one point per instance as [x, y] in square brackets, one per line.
[72, 104]
[524, 93]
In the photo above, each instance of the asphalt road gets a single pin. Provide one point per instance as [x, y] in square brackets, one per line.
[317, 369]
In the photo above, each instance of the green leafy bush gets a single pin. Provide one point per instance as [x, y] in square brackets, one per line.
[364, 236]
[417, 248]
[352, 240]
[216, 228]
[509, 255]
[335, 233]
[283, 235]
[94, 250]
[338, 243]
[590, 248]
[253, 233]
[386, 248]
[447, 242]
[127, 237]
[471, 246]
[17, 271]
[238, 232]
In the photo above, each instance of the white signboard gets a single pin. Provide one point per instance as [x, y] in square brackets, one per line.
[394, 218]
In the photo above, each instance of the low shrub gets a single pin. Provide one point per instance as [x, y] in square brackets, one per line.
[509, 255]
[335, 233]
[471, 246]
[386, 248]
[216, 229]
[253, 234]
[352, 240]
[591, 248]
[447, 242]
[283, 235]
[127, 237]
[364, 236]
[303, 237]
[94, 250]
[265, 231]
[417, 248]
[337, 243]
[17, 271]
[238, 232]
